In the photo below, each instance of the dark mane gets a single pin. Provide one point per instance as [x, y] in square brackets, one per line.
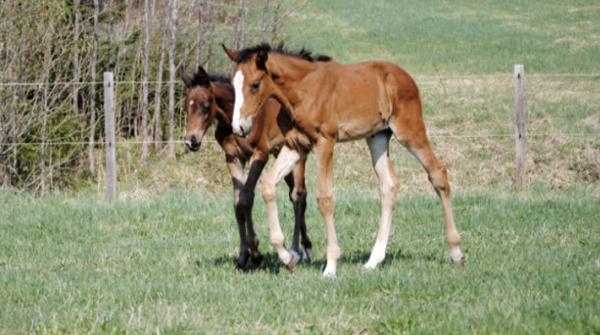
[245, 55]
[220, 78]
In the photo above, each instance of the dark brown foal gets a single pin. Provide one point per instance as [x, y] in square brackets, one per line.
[210, 99]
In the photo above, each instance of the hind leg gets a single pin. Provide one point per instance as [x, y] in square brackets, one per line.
[410, 131]
[388, 188]
[295, 181]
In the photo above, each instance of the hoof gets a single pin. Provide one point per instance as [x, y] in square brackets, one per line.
[291, 265]
[241, 263]
[307, 255]
[368, 266]
[457, 256]
[329, 273]
[257, 260]
[239, 268]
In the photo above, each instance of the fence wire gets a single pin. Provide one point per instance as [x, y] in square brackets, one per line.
[421, 79]
[418, 78]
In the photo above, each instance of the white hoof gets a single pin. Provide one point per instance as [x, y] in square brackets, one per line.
[329, 272]
[284, 256]
[457, 256]
[370, 266]
[377, 255]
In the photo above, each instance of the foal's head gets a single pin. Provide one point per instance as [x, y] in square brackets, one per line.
[200, 105]
[256, 80]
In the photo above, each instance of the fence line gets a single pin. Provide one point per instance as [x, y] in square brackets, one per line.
[111, 143]
[417, 77]
[210, 140]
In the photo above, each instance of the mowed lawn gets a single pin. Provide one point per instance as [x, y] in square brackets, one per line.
[74, 264]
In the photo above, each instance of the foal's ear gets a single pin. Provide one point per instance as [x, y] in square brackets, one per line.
[232, 54]
[201, 78]
[186, 79]
[261, 60]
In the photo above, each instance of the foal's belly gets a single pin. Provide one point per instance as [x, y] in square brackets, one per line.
[359, 129]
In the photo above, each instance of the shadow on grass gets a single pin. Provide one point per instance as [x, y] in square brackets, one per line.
[273, 265]
[270, 264]
[392, 256]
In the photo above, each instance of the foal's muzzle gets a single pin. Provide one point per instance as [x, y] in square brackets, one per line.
[192, 143]
[243, 128]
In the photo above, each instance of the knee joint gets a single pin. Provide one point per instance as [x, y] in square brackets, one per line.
[326, 204]
[298, 197]
[269, 191]
[246, 200]
[439, 179]
[391, 187]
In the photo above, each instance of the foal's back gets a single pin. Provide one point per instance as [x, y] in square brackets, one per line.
[357, 100]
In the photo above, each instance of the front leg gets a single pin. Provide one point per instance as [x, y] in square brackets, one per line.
[238, 179]
[324, 154]
[246, 201]
[286, 160]
[296, 184]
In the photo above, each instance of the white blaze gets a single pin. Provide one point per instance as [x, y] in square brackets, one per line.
[238, 82]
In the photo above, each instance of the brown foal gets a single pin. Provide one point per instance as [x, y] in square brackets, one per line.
[330, 102]
[211, 98]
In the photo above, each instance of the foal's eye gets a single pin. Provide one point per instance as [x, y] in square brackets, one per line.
[205, 109]
[254, 86]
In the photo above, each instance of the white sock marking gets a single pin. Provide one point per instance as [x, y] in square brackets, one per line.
[377, 255]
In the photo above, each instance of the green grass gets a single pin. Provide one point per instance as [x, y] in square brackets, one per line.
[73, 264]
[161, 259]
[454, 37]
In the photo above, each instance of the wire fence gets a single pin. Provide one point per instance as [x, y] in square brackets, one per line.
[421, 79]
[437, 86]
[208, 140]
[418, 78]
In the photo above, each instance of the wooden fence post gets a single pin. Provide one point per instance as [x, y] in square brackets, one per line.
[110, 142]
[520, 141]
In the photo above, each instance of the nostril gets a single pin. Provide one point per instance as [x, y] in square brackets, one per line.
[194, 141]
[242, 130]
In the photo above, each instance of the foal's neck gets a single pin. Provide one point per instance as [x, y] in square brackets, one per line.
[225, 98]
[291, 71]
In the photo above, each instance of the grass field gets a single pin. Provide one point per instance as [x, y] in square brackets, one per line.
[72, 264]
[161, 259]
[454, 37]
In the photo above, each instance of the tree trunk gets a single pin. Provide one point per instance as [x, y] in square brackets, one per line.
[202, 20]
[122, 106]
[145, 73]
[210, 29]
[239, 31]
[93, 70]
[172, 43]
[157, 133]
[240, 36]
[4, 131]
[265, 19]
[76, 62]
[275, 26]
[44, 118]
